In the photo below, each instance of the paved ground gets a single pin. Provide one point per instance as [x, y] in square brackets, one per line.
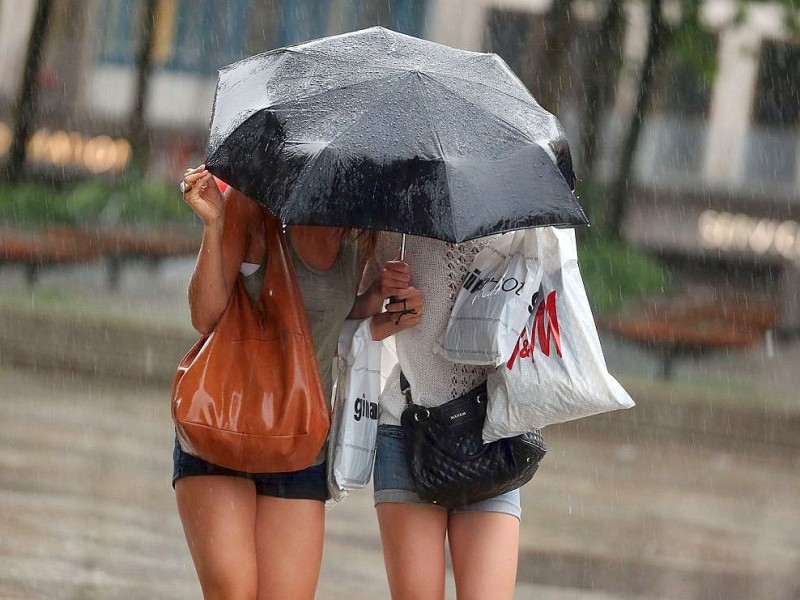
[692, 495]
[87, 512]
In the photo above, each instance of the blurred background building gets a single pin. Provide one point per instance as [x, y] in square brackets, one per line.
[713, 179]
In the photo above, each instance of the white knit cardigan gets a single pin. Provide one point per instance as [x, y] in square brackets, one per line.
[438, 270]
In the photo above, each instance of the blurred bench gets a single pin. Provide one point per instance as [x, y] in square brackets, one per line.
[682, 326]
[120, 246]
[53, 246]
[61, 245]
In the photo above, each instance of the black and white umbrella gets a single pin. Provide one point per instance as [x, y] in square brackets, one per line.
[376, 129]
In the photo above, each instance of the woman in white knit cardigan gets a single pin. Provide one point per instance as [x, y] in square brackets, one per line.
[483, 537]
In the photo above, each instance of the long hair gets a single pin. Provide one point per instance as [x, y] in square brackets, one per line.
[367, 240]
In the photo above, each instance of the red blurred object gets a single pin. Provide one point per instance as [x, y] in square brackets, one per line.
[221, 184]
[46, 79]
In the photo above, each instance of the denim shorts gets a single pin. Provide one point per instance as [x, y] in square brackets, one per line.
[392, 479]
[307, 484]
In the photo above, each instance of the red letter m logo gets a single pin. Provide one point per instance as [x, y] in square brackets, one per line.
[545, 325]
[544, 328]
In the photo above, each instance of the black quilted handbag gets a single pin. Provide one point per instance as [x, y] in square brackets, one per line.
[450, 464]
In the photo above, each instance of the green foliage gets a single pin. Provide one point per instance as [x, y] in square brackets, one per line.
[93, 202]
[149, 202]
[615, 273]
[691, 45]
[86, 202]
[29, 204]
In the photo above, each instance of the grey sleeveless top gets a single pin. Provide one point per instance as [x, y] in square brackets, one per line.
[328, 297]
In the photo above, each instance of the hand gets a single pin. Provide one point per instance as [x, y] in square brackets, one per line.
[203, 195]
[405, 308]
[404, 312]
[395, 277]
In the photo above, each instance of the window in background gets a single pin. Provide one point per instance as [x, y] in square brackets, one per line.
[262, 27]
[520, 39]
[772, 144]
[778, 92]
[302, 20]
[191, 35]
[275, 23]
[405, 16]
[511, 35]
[683, 81]
[673, 139]
[117, 32]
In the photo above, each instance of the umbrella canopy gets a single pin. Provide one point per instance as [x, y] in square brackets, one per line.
[376, 129]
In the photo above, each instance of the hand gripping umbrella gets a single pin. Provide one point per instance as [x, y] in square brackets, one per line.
[380, 130]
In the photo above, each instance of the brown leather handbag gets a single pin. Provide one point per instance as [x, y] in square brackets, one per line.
[248, 396]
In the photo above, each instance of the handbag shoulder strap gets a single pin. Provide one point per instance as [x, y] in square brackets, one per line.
[405, 388]
[279, 275]
[281, 291]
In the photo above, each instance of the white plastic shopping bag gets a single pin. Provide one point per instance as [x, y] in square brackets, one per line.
[556, 371]
[354, 422]
[489, 312]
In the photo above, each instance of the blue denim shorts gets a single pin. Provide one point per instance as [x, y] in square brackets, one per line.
[392, 479]
[307, 484]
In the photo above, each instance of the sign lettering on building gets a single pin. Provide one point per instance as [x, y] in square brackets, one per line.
[739, 232]
[97, 154]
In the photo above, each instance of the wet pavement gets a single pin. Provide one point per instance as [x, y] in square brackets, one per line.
[692, 495]
[87, 511]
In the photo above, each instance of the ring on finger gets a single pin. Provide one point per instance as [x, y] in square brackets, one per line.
[184, 187]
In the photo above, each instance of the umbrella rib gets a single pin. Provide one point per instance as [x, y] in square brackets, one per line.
[292, 199]
[422, 90]
[457, 75]
[321, 92]
[468, 99]
[285, 101]
[376, 102]
[438, 141]
[510, 125]
[345, 62]
[348, 61]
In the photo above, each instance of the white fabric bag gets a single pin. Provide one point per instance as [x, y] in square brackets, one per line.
[354, 422]
[556, 371]
[489, 311]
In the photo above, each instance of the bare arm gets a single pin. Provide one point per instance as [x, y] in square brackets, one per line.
[226, 234]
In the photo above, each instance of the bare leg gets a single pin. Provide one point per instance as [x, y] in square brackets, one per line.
[289, 536]
[484, 548]
[413, 538]
[219, 515]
